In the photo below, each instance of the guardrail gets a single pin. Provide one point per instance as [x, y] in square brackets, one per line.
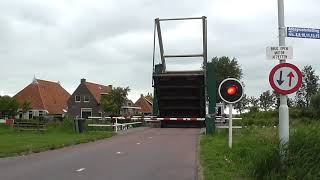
[7, 121]
[117, 126]
[140, 120]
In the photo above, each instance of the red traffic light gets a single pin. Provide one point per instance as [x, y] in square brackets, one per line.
[232, 90]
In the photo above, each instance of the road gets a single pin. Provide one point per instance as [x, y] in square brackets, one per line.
[148, 154]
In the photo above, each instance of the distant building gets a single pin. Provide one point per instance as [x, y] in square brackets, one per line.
[46, 98]
[129, 108]
[85, 101]
[145, 103]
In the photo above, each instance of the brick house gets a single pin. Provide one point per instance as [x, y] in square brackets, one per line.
[85, 101]
[46, 98]
[129, 108]
[145, 103]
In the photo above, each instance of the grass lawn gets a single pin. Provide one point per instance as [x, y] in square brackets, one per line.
[17, 143]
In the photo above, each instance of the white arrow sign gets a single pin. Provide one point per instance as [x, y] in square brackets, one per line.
[279, 52]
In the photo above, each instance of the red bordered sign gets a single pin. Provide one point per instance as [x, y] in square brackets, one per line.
[285, 78]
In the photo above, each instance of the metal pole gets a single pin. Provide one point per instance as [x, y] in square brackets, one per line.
[177, 19]
[157, 21]
[283, 109]
[116, 125]
[230, 125]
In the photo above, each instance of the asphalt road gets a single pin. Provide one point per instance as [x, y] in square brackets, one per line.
[149, 154]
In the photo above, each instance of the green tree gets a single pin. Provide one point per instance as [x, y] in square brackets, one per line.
[276, 98]
[107, 105]
[26, 106]
[8, 106]
[309, 87]
[112, 102]
[266, 100]
[254, 104]
[226, 68]
[119, 96]
[242, 105]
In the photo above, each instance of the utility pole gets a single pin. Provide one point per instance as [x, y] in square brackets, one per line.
[283, 109]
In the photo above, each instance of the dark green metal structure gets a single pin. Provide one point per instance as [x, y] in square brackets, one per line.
[182, 94]
[211, 82]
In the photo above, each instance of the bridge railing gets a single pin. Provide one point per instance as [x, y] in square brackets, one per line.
[124, 123]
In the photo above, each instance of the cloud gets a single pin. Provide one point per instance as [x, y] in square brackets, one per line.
[110, 42]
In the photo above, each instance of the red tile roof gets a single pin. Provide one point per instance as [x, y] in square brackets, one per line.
[45, 95]
[97, 89]
[145, 103]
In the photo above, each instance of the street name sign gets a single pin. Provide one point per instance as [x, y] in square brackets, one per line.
[296, 32]
[279, 52]
[285, 78]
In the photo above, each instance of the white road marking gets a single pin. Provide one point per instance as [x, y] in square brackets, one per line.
[150, 137]
[138, 143]
[81, 169]
[118, 152]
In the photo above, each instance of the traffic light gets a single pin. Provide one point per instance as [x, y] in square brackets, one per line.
[230, 90]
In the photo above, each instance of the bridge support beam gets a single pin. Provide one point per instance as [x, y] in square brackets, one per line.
[211, 99]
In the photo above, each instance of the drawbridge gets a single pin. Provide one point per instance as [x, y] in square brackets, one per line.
[183, 94]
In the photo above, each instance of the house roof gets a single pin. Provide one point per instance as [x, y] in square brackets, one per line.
[97, 89]
[149, 98]
[46, 95]
[145, 103]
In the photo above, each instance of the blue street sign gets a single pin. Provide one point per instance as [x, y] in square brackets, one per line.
[297, 32]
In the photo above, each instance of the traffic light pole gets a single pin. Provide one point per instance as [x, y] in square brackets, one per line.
[283, 109]
[230, 125]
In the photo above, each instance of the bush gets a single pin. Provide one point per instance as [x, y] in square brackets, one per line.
[301, 156]
[315, 104]
[68, 124]
[262, 118]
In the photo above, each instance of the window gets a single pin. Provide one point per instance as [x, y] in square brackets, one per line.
[40, 113]
[30, 114]
[129, 104]
[86, 98]
[77, 99]
[86, 112]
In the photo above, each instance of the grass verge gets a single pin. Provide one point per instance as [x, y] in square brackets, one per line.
[255, 154]
[14, 143]
[219, 162]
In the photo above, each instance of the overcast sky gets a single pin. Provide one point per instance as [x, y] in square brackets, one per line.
[110, 41]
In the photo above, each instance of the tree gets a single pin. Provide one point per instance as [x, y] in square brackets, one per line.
[26, 106]
[266, 100]
[243, 104]
[112, 102]
[254, 101]
[276, 98]
[8, 106]
[226, 67]
[107, 104]
[309, 87]
[254, 104]
[119, 96]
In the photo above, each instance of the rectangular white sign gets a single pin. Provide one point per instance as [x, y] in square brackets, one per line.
[279, 52]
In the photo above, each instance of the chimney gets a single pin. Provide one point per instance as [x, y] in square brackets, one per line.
[141, 96]
[83, 81]
[110, 86]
